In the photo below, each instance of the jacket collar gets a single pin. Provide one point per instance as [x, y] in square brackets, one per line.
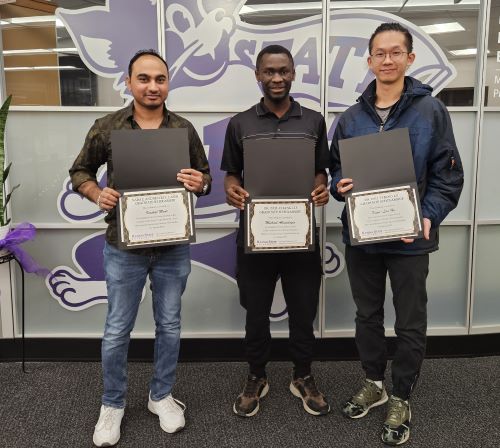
[412, 88]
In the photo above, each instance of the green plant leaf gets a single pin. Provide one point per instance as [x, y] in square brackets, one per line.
[6, 172]
[7, 199]
[4, 110]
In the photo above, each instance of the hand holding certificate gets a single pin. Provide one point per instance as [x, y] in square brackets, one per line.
[383, 203]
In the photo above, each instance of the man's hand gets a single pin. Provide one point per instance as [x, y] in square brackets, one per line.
[236, 195]
[192, 179]
[107, 199]
[427, 230]
[343, 186]
[320, 195]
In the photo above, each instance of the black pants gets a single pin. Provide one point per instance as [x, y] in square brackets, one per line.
[407, 274]
[257, 275]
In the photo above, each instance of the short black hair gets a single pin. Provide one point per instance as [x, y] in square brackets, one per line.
[393, 26]
[273, 49]
[140, 53]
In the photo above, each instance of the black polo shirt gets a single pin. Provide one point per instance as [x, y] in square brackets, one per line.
[259, 122]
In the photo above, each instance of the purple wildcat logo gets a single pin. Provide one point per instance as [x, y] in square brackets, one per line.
[211, 54]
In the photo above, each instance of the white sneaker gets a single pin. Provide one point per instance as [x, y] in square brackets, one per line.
[107, 429]
[170, 411]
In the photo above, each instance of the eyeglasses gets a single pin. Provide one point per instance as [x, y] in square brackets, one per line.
[395, 55]
[285, 73]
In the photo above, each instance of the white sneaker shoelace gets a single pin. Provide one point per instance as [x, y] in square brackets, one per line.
[171, 404]
[109, 418]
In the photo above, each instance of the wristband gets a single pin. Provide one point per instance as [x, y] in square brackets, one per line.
[204, 189]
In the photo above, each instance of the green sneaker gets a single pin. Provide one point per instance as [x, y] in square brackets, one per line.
[369, 396]
[396, 430]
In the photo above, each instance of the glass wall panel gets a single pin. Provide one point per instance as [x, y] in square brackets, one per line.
[339, 305]
[449, 278]
[222, 67]
[445, 42]
[79, 286]
[72, 53]
[486, 309]
[42, 147]
[492, 80]
[446, 285]
[488, 190]
[464, 128]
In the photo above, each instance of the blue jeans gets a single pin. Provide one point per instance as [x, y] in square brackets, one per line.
[126, 274]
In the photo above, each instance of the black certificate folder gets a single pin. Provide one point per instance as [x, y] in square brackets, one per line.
[148, 158]
[384, 203]
[377, 160]
[279, 166]
[279, 176]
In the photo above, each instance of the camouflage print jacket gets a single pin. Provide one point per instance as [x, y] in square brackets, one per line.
[96, 151]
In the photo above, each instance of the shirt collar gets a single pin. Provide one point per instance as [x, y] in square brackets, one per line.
[294, 111]
[129, 111]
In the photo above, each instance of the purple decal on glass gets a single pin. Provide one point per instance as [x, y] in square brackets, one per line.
[197, 39]
[84, 287]
[108, 36]
[213, 136]
[217, 255]
[74, 207]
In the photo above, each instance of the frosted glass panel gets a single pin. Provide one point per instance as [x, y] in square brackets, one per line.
[489, 161]
[487, 281]
[210, 302]
[446, 285]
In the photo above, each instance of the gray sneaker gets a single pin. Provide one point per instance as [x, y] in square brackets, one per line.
[396, 429]
[369, 396]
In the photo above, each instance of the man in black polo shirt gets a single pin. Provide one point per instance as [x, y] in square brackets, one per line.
[277, 115]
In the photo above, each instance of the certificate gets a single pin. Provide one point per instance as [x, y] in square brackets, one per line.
[279, 225]
[384, 214]
[155, 217]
